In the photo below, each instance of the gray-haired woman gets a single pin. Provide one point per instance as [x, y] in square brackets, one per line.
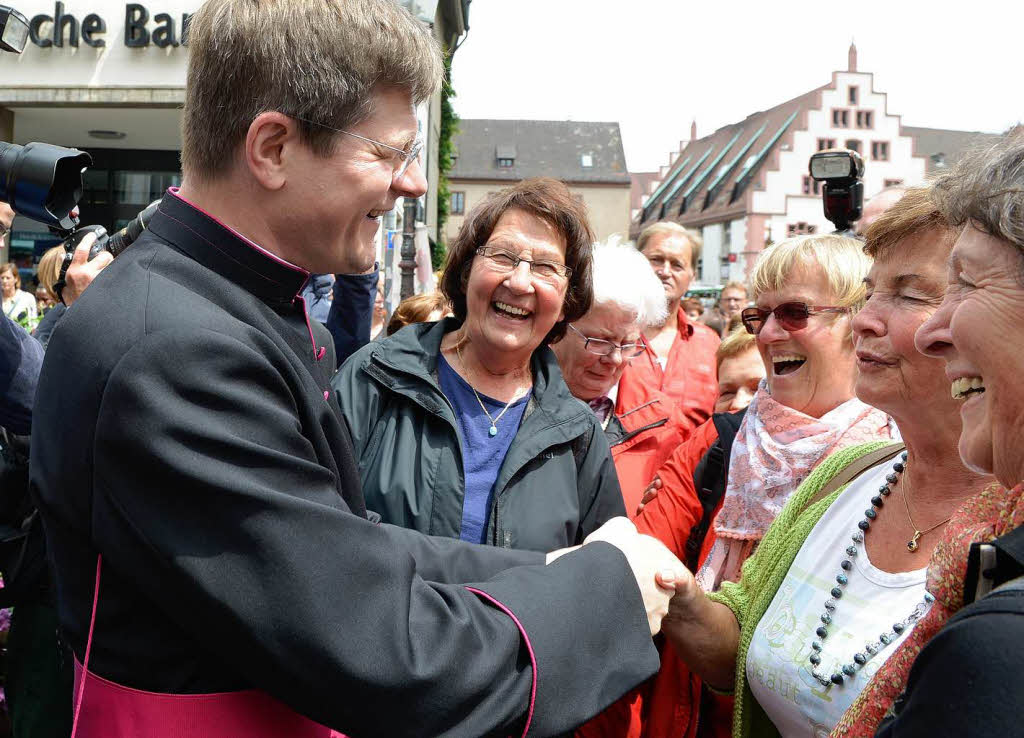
[628, 298]
[966, 680]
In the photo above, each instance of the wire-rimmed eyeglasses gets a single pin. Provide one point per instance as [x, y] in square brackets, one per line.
[601, 347]
[408, 155]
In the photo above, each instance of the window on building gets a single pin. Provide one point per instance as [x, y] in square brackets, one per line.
[587, 160]
[840, 118]
[853, 95]
[811, 185]
[506, 155]
[800, 229]
[458, 203]
[893, 182]
[853, 144]
[826, 143]
[880, 150]
[865, 119]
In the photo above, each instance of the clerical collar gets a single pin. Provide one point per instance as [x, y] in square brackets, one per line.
[226, 251]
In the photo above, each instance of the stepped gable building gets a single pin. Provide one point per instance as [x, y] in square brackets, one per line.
[746, 185]
[588, 156]
[644, 184]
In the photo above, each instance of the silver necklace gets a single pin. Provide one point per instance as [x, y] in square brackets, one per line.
[493, 430]
[873, 647]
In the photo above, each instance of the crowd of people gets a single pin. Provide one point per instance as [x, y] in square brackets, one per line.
[555, 497]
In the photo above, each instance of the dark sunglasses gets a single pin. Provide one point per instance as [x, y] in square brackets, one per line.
[792, 316]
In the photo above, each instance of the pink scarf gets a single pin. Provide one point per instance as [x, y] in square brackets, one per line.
[776, 447]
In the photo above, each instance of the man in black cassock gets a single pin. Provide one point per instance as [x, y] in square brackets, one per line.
[200, 498]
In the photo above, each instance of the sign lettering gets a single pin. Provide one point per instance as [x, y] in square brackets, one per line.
[47, 31]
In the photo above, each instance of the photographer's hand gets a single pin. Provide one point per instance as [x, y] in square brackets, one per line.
[82, 272]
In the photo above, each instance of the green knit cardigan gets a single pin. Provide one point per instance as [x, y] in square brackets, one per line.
[764, 572]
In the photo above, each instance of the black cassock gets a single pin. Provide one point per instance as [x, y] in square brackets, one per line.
[185, 430]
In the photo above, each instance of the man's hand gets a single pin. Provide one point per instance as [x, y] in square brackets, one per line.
[649, 494]
[81, 271]
[658, 573]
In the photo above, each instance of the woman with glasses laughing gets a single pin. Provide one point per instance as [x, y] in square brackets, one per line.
[465, 428]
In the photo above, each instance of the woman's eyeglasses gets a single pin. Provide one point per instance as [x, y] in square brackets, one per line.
[792, 316]
[504, 261]
[601, 347]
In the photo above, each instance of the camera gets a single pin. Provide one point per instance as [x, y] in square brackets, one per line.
[115, 244]
[841, 172]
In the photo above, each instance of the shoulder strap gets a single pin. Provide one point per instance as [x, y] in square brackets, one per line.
[710, 480]
[854, 469]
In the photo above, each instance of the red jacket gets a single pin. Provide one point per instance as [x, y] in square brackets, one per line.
[642, 438]
[666, 704]
[690, 376]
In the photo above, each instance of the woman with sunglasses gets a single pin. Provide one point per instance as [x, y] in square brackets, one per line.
[465, 428]
[805, 291]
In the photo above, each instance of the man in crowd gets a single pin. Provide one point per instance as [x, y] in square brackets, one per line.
[197, 484]
[730, 304]
[679, 359]
[877, 205]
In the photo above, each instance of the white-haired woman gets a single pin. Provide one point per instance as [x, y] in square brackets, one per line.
[628, 298]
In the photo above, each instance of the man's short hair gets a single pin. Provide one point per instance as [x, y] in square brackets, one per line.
[911, 215]
[736, 286]
[552, 202]
[667, 227]
[317, 60]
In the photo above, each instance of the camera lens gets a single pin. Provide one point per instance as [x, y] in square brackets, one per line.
[42, 181]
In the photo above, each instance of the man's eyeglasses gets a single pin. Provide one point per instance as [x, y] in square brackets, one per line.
[408, 154]
[504, 261]
[602, 347]
[792, 316]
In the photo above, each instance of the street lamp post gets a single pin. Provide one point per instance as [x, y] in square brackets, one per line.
[408, 263]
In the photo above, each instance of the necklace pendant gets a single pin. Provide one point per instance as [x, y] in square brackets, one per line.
[492, 432]
[912, 543]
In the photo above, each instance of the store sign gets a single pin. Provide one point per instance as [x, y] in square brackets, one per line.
[48, 31]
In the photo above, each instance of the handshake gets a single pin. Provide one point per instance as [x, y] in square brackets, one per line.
[659, 574]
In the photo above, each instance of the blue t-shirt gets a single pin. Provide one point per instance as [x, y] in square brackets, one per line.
[482, 453]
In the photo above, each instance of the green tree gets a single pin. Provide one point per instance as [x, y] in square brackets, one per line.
[445, 149]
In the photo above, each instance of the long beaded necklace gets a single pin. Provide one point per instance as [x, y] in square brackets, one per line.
[493, 430]
[872, 648]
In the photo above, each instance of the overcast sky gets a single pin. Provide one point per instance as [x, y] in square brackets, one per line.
[654, 65]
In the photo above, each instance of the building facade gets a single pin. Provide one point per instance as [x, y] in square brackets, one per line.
[587, 156]
[747, 184]
[108, 78]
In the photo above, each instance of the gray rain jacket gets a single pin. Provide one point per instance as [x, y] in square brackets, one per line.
[556, 485]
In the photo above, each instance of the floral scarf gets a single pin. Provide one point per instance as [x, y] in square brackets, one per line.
[983, 517]
[775, 448]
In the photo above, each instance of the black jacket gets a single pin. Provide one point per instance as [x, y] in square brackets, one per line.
[967, 679]
[556, 485]
[351, 312]
[186, 431]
